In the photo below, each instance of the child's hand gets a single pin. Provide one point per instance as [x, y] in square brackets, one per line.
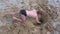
[39, 22]
[14, 18]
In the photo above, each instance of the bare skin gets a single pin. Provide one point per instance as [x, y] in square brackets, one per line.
[30, 13]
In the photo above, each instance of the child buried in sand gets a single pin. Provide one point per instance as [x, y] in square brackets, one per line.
[28, 13]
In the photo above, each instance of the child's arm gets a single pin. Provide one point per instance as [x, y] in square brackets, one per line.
[17, 19]
[37, 20]
[14, 12]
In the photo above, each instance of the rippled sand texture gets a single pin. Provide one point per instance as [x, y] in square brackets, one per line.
[49, 21]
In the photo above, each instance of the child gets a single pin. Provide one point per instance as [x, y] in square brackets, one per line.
[28, 13]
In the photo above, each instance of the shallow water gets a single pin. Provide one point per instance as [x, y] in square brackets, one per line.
[55, 3]
[8, 3]
[4, 4]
